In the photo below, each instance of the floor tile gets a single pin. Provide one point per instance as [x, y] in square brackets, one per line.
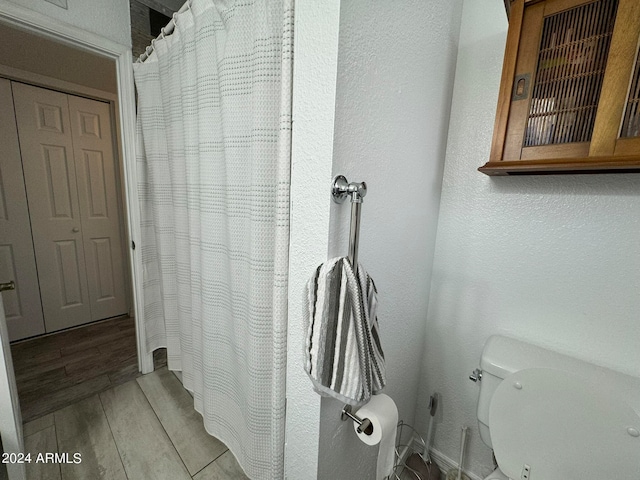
[42, 442]
[25, 371]
[125, 343]
[39, 356]
[34, 407]
[145, 448]
[34, 426]
[174, 407]
[58, 340]
[58, 370]
[224, 468]
[102, 363]
[83, 428]
[95, 341]
[124, 374]
[117, 432]
[50, 380]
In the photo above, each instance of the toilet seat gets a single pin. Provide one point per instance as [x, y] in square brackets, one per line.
[563, 427]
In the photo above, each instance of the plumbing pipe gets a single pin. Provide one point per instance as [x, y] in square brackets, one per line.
[462, 443]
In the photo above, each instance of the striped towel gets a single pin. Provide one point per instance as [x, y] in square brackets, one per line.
[343, 356]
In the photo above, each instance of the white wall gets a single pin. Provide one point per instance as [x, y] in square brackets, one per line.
[553, 260]
[314, 94]
[107, 18]
[396, 65]
[32, 53]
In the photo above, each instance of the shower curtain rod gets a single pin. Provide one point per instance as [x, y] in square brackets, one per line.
[167, 30]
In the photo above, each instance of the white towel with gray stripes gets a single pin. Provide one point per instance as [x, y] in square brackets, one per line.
[343, 356]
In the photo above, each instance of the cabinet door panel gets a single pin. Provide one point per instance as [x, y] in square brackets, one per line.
[525, 72]
[631, 121]
[569, 150]
[624, 46]
[626, 147]
[572, 58]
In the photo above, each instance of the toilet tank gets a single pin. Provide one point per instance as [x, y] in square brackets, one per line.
[503, 356]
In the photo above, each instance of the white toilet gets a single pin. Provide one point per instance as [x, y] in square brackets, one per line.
[548, 416]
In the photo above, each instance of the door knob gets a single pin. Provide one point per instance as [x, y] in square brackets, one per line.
[7, 286]
[75, 229]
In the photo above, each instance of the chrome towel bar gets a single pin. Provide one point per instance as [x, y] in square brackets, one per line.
[340, 190]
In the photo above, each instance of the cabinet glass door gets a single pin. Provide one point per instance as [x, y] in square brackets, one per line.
[571, 64]
[631, 120]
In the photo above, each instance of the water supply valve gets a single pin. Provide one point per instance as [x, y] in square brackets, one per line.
[476, 375]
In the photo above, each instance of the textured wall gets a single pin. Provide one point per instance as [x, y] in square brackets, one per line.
[395, 74]
[553, 260]
[314, 93]
[36, 54]
[108, 18]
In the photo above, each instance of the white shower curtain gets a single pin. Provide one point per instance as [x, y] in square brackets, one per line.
[214, 132]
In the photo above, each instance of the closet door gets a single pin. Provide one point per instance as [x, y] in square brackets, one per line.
[17, 260]
[50, 178]
[98, 199]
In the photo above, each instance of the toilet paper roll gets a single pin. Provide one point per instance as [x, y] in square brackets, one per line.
[383, 413]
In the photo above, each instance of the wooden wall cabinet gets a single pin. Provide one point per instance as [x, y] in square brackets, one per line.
[570, 89]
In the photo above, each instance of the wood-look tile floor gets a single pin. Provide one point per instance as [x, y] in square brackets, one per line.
[60, 369]
[144, 429]
[80, 392]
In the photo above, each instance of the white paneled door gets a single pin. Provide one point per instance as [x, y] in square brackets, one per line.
[99, 211]
[17, 260]
[70, 178]
[50, 177]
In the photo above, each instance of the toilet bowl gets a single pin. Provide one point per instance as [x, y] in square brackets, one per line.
[548, 416]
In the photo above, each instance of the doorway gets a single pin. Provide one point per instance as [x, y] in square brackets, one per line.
[62, 238]
[36, 22]
[60, 105]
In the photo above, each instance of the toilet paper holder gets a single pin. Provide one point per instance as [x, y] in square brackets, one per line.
[364, 424]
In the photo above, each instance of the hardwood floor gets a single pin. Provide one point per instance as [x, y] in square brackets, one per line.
[144, 429]
[61, 369]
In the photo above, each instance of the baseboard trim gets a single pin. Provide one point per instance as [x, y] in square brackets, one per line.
[446, 464]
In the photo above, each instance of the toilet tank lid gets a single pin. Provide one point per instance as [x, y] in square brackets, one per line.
[503, 356]
[561, 427]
